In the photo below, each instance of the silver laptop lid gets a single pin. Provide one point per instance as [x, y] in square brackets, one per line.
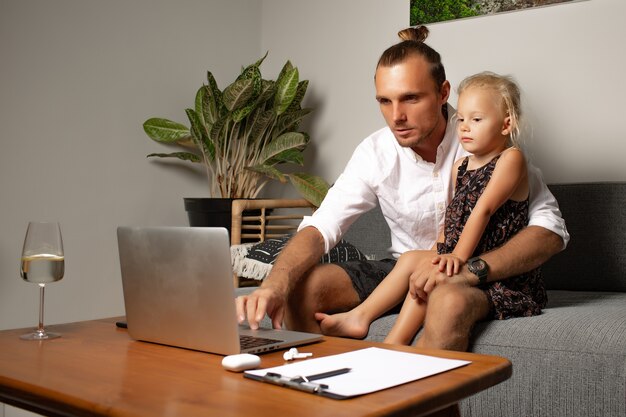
[175, 291]
[178, 290]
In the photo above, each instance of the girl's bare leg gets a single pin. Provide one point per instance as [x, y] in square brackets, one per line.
[355, 323]
[409, 321]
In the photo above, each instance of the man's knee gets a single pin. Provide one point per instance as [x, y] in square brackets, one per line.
[451, 313]
[458, 303]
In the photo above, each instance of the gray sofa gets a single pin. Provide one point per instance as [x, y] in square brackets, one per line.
[570, 360]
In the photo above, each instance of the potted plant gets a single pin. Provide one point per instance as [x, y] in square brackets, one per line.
[244, 133]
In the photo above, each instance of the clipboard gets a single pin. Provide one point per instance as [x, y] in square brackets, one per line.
[298, 383]
[369, 370]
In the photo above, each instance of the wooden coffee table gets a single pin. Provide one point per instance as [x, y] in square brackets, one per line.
[96, 369]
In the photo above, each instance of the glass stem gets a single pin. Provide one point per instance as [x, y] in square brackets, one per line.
[40, 329]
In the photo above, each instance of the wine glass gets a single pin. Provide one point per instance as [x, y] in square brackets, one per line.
[43, 262]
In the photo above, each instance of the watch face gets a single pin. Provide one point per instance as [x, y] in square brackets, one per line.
[479, 265]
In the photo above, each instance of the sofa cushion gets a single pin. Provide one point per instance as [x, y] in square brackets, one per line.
[568, 361]
[595, 258]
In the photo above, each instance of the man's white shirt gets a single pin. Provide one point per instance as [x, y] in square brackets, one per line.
[413, 194]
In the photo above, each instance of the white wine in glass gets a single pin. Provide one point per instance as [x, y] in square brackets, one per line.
[43, 262]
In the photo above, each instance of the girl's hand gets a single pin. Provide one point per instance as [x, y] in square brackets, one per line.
[448, 263]
[422, 283]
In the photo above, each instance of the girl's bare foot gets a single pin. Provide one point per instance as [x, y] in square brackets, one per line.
[350, 324]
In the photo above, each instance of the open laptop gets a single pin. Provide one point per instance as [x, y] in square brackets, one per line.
[178, 291]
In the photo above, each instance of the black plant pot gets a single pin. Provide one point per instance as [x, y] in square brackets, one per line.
[209, 212]
[213, 212]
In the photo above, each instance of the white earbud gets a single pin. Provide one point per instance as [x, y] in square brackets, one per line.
[293, 353]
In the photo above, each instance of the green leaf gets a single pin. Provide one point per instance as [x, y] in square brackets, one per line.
[311, 187]
[240, 114]
[268, 90]
[252, 73]
[291, 140]
[185, 156]
[165, 131]
[210, 111]
[212, 104]
[287, 67]
[213, 88]
[293, 156]
[269, 171]
[300, 92]
[215, 134]
[290, 121]
[259, 124]
[286, 89]
[199, 103]
[200, 135]
[238, 93]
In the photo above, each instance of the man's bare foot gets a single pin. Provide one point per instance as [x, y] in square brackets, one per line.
[350, 324]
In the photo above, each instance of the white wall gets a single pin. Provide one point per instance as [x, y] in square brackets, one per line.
[77, 80]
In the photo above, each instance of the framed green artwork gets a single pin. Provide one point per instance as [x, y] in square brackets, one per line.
[431, 11]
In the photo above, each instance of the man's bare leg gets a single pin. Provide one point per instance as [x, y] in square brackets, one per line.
[451, 312]
[326, 288]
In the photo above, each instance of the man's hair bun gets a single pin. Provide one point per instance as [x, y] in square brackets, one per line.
[415, 34]
[412, 44]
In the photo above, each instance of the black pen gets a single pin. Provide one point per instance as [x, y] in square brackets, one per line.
[321, 375]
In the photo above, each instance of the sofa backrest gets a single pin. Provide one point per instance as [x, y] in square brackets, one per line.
[595, 258]
[370, 234]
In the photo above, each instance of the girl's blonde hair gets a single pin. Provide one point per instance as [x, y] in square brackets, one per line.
[508, 90]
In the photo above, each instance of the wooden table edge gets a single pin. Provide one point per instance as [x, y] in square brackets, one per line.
[49, 403]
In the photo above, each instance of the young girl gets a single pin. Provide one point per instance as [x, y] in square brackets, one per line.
[489, 206]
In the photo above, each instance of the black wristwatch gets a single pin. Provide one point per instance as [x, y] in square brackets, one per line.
[479, 268]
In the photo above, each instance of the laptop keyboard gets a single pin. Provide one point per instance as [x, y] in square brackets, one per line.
[248, 342]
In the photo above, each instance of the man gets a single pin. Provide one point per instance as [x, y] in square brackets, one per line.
[406, 168]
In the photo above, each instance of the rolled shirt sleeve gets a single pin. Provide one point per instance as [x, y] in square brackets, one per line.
[543, 209]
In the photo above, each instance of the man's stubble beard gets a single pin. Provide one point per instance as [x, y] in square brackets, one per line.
[422, 139]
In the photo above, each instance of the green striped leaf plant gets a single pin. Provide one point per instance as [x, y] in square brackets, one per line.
[245, 134]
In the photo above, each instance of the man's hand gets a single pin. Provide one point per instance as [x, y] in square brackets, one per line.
[448, 263]
[264, 300]
[301, 253]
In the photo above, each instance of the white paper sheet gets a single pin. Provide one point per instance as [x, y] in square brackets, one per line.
[372, 369]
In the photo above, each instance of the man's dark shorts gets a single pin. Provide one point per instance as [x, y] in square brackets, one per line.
[366, 275]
